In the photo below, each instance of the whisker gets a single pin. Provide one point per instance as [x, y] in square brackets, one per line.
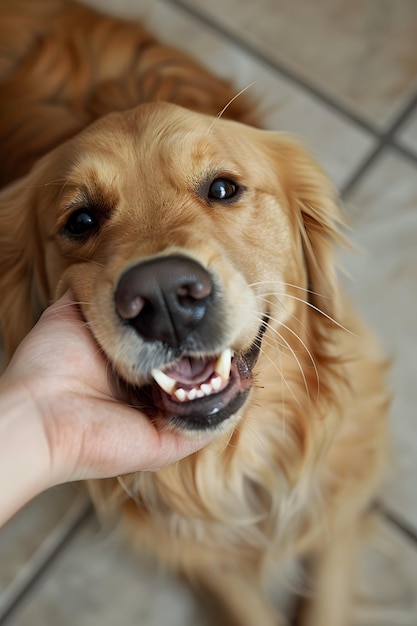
[313, 306]
[329, 317]
[64, 184]
[296, 335]
[297, 360]
[224, 109]
[57, 181]
[291, 315]
[282, 377]
[285, 284]
[306, 348]
[226, 444]
[71, 304]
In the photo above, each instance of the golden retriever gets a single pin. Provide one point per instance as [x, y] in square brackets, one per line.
[201, 252]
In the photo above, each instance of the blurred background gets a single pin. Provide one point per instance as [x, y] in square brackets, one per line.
[342, 76]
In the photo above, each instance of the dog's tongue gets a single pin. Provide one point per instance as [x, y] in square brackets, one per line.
[191, 370]
[192, 377]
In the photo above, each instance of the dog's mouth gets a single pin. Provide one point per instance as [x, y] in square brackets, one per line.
[198, 393]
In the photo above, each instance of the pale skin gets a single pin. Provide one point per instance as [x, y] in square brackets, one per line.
[59, 420]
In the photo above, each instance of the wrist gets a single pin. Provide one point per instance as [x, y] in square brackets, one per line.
[25, 458]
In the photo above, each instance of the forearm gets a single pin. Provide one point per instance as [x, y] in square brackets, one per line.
[24, 450]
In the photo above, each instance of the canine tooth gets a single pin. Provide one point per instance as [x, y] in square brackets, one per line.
[222, 367]
[164, 381]
[200, 393]
[181, 394]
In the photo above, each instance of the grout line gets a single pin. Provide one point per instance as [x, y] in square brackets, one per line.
[402, 116]
[401, 525]
[406, 152]
[362, 168]
[387, 140]
[29, 575]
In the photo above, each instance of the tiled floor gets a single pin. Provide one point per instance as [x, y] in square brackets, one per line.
[342, 74]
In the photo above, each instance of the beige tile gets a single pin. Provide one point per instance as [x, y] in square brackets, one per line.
[23, 534]
[386, 588]
[130, 9]
[407, 135]
[29, 539]
[384, 284]
[337, 144]
[98, 582]
[362, 53]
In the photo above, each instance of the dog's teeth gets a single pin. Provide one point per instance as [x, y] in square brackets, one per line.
[193, 394]
[181, 395]
[164, 381]
[223, 364]
[216, 383]
[206, 388]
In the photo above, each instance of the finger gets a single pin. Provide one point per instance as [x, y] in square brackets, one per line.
[147, 447]
[173, 447]
[123, 440]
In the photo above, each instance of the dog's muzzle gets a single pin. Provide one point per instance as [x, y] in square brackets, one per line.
[174, 301]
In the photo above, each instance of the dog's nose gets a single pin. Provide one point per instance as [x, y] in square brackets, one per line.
[165, 298]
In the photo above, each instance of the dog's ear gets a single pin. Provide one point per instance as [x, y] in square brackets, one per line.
[314, 207]
[21, 295]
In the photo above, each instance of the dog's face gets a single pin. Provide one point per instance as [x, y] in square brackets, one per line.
[184, 239]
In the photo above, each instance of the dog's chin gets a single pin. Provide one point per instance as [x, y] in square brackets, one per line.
[199, 394]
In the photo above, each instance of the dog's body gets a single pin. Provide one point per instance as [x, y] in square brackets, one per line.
[200, 251]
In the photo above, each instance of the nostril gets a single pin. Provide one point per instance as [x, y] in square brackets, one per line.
[129, 306]
[196, 289]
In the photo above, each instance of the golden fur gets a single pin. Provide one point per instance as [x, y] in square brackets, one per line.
[293, 471]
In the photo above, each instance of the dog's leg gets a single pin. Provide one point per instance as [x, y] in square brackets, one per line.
[331, 577]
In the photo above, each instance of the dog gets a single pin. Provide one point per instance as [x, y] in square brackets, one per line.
[201, 251]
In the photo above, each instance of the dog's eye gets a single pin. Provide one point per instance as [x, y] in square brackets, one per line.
[81, 223]
[222, 189]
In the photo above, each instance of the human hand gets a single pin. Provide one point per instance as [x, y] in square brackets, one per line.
[64, 382]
